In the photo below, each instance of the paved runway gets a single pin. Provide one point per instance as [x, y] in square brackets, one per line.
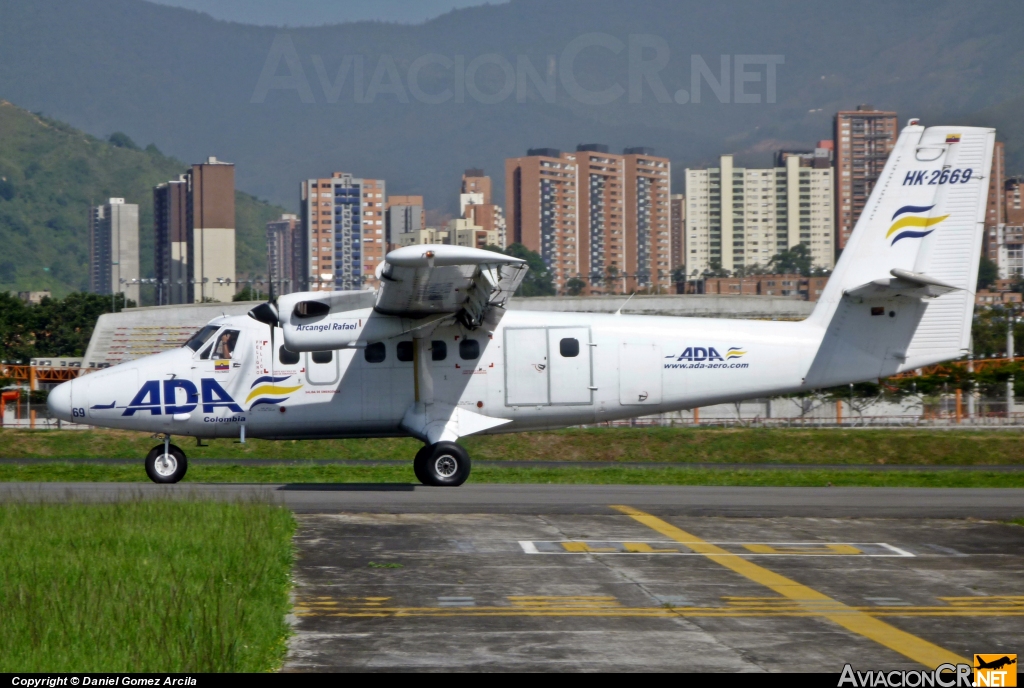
[604, 577]
[831, 502]
[646, 591]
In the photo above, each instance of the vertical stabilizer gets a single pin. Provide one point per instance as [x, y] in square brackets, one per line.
[902, 294]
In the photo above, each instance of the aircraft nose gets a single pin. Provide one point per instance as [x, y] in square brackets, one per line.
[59, 401]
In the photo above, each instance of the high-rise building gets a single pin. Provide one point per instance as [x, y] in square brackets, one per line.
[476, 204]
[678, 202]
[403, 214]
[863, 140]
[114, 249]
[170, 227]
[648, 230]
[1010, 256]
[995, 208]
[475, 181]
[283, 264]
[594, 215]
[602, 219]
[194, 231]
[463, 232]
[738, 219]
[542, 199]
[211, 231]
[343, 238]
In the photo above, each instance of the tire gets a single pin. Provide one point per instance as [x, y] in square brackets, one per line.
[446, 465]
[419, 464]
[169, 469]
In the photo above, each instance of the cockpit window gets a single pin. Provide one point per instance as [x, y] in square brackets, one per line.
[224, 345]
[200, 337]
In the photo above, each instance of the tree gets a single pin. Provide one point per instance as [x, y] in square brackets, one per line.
[988, 273]
[538, 280]
[122, 140]
[679, 274]
[795, 260]
[249, 294]
[54, 327]
[575, 286]
[715, 269]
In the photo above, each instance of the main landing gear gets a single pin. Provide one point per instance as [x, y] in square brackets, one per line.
[444, 464]
[166, 463]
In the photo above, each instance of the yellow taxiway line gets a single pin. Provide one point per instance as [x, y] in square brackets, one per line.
[853, 619]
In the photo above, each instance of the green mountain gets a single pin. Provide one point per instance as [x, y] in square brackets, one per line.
[286, 104]
[50, 173]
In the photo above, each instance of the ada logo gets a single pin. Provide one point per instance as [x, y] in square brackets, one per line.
[995, 670]
[700, 353]
[149, 398]
[913, 224]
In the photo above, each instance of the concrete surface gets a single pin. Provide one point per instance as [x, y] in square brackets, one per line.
[566, 592]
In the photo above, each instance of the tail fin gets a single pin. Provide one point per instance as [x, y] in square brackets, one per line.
[902, 293]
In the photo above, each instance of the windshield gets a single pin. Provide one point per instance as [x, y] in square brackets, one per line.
[200, 337]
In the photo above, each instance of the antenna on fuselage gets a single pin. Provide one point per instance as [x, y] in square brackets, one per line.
[619, 312]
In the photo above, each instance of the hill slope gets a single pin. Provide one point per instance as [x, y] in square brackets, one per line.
[190, 83]
[49, 175]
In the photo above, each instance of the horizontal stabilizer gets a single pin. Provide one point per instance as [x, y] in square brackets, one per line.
[903, 283]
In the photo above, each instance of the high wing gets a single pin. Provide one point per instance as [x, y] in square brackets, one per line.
[436, 279]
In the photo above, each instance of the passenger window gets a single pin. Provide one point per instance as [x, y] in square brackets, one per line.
[323, 356]
[287, 357]
[405, 351]
[469, 349]
[438, 351]
[375, 353]
[569, 347]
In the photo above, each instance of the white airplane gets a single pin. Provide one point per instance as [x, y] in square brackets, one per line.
[433, 354]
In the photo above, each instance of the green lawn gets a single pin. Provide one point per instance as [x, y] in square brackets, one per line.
[144, 587]
[682, 445]
[612, 475]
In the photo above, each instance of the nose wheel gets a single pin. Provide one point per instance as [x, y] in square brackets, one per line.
[166, 463]
[444, 464]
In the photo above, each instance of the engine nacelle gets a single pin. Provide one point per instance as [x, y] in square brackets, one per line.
[324, 321]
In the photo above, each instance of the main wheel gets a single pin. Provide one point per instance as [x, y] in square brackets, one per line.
[166, 467]
[446, 464]
[419, 464]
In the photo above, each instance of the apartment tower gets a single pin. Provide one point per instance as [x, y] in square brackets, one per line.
[863, 140]
[283, 264]
[737, 219]
[114, 249]
[211, 227]
[402, 215]
[477, 205]
[678, 238]
[648, 220]
[542, 199]
[343, 238]
[995, 209]
[170, 230]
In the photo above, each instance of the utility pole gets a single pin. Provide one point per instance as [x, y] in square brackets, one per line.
[970, 370]
[1010, 354]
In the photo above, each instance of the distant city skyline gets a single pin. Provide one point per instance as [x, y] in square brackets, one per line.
[295, 13]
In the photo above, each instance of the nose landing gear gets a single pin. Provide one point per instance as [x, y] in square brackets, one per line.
[444, 464]
[166, 463]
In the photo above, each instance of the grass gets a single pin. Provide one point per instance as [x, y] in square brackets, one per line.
[144, 586]
[676, 445]
[612, 475]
